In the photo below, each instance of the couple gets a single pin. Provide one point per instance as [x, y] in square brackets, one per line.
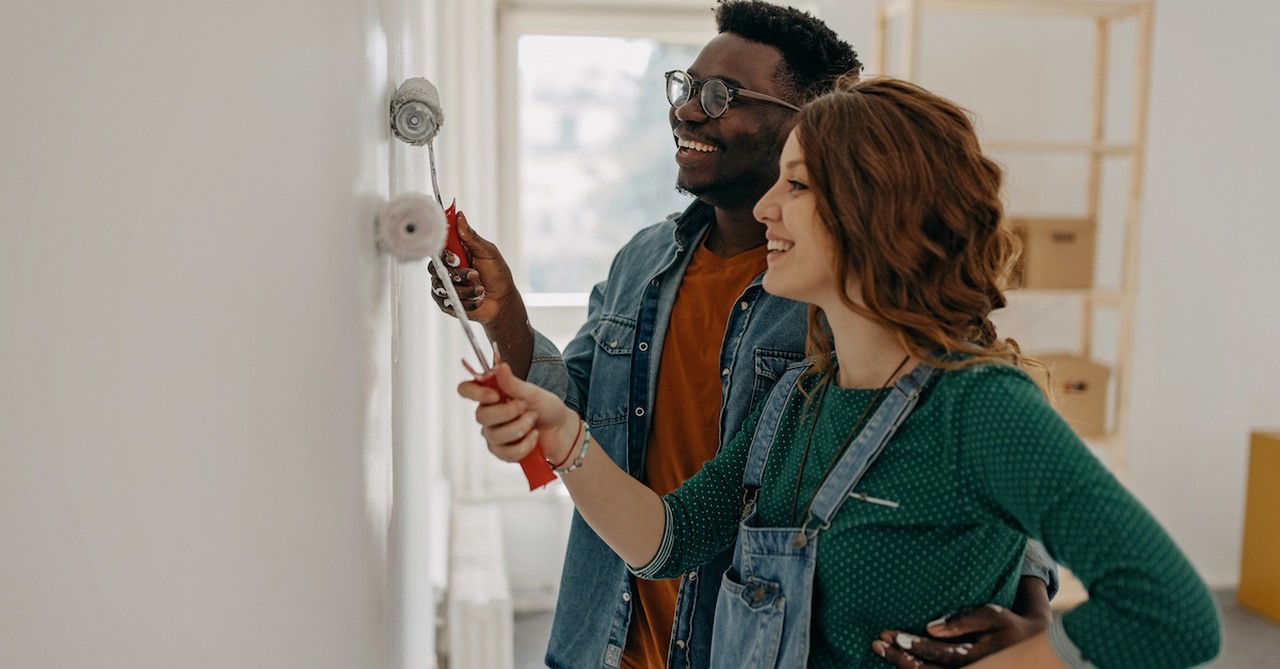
[891, 476]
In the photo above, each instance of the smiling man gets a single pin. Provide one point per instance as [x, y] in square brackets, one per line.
[681, 341]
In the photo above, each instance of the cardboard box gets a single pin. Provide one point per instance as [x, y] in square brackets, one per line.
[1079, 392]
[1056, 252]
[1259, 589]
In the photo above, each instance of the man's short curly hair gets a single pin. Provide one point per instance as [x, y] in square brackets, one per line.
[813, 56]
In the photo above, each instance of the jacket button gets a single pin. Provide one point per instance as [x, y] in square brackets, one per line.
[644, 346]
[626, 596]
[744, 305]
[680, 643]
[613, 344]
[724, 372]
[692, 576]
[639, 411]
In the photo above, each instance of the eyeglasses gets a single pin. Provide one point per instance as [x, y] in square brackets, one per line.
[713, 94]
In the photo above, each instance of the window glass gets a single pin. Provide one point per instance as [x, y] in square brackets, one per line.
[596, 157]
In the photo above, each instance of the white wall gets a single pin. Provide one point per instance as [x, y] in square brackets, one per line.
[1209, 316]
[1208, 320]
[193, 328]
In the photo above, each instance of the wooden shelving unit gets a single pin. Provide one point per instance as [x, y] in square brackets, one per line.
[900, 40]
[905, 20]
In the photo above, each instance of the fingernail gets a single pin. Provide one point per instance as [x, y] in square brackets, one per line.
[447, 304]
[939, 621]
[457, 278]
[906, 641]
[878, 647]
[451, 259]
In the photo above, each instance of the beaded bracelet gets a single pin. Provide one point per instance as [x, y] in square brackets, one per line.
[582, 452]
[569, 454]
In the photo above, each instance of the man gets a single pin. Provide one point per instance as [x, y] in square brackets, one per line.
[644, 371]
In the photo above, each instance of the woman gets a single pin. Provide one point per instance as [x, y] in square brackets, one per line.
[897, 473]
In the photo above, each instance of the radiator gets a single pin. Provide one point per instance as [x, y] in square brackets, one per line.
[479, 619]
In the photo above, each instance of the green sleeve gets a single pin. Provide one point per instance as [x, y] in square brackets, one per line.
[703, 513]
[1147, 606]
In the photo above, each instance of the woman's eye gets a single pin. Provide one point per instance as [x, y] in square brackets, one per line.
[796, 185]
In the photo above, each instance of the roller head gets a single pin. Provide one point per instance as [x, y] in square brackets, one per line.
[412, 226]
[416, 115]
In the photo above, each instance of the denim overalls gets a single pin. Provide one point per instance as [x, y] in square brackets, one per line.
[763, 614]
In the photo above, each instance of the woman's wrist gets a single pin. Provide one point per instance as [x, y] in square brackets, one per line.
[566, 454]
[577, 450]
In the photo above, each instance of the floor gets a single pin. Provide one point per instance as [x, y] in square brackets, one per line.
[1251, 642]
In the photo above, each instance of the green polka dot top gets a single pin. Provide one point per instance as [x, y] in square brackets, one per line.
[982, 463]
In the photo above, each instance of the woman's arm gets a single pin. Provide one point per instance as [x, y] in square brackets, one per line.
[625, 513]
[1147, 606]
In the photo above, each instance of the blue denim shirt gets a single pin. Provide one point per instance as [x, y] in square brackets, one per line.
[608, 373]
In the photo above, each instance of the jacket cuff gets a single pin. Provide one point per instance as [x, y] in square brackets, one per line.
[546, 368]
[1036, 562]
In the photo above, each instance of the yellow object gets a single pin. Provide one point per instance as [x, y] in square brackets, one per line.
[1260, 558]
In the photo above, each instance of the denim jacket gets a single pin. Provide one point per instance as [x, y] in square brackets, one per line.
[608, 373]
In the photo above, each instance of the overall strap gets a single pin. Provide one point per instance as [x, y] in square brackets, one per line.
[767, 426]
[866, 447]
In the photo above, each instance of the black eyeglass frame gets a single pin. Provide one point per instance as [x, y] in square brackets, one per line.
[700, 88]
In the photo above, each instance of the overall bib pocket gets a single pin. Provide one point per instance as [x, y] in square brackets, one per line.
[756, 609]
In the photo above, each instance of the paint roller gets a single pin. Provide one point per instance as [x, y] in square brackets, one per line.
[412, 227]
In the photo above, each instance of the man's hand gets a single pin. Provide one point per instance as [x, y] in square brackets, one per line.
[965, 637]
[959, 639]
[486, 290]
[488, 293]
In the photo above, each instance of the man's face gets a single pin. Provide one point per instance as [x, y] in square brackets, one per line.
[732, 160]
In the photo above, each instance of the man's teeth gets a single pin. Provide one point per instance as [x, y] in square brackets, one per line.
[779, 245]
[696, 146]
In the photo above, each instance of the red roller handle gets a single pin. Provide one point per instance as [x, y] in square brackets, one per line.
[452, 242]
[536, 470]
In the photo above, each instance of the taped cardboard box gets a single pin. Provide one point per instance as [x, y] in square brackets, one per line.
[1079, 392]
[1056, 252]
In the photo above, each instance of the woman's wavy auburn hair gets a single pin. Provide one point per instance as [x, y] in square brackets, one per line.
[914, 209]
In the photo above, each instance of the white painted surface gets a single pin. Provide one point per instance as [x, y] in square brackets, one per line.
[195, 334]
[1208, 319]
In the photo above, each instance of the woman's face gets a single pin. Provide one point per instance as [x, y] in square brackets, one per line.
[800, 249]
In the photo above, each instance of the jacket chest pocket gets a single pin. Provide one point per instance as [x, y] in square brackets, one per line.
[770, 365]
[614, 336]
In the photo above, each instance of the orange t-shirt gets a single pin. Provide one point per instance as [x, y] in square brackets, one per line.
[686, 418]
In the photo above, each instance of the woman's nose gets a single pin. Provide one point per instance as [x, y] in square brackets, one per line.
[765, 210]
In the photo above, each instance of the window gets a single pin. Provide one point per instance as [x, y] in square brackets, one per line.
[587, 154]
[595, 152]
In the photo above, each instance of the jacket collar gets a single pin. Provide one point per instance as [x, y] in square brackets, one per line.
[692, 224]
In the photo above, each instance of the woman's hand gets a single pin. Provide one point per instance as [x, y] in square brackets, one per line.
[528, 417]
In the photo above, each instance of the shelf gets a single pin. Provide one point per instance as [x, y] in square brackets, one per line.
[1100, 297]
[1092, 148]
[1084, 9]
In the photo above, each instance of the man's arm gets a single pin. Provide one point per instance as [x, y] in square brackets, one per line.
[965, 637]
